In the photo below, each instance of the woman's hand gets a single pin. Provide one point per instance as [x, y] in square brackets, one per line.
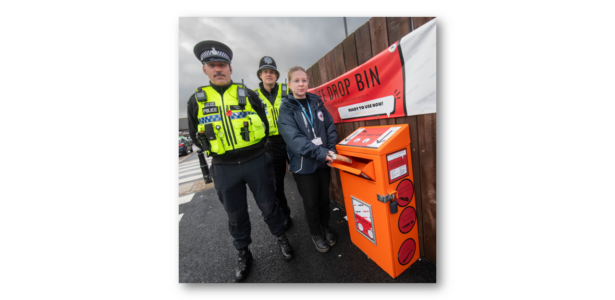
[329, 159]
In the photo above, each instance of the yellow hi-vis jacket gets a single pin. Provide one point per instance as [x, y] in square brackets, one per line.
[234, 126]
[273, 111]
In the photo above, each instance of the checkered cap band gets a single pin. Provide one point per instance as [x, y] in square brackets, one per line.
[208, 53]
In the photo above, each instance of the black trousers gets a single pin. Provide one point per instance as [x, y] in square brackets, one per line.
[230, 183]
[276, 152]
[314, 189]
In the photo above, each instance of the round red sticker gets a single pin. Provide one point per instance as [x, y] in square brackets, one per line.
[229, 113]
[405, 191]
[406, 251]
[407, 219]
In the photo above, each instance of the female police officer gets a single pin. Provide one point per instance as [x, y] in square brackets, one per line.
[309, 133]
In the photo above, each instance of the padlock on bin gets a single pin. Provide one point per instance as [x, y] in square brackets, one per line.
[378, 189]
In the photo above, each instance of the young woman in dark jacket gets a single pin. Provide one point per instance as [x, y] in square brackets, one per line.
[308, 130]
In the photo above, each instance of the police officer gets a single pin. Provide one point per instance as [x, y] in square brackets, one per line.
[271, 93]
[228, 122]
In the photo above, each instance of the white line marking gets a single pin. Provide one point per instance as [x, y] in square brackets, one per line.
[190, 164]
[191, 168]
[183, 167]
[185, 198]
[187, 179]
[180, 217]
[190, 172]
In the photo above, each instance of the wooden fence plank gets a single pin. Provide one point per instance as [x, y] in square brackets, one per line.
[322, 66]
[338, 56]
[378, 34]
[316, 75]
[405, 27]
[336, 192]
[330, 62]
[419, 21]
[393, 29]
[309, 75]
[363, 43]
[427, 153]
[398, 27]
[386, 121]
[349, 127]
[350, 52]
[372, 123]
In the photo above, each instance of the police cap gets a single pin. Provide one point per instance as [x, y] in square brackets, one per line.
[267, 63]
[207, 51]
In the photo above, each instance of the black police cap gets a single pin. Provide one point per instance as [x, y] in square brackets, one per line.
[267, 63]
[207, 51]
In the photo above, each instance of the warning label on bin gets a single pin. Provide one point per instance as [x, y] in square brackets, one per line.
[405, 191]
[406, 251]
[363, 219]
[407, 219]
[369, 137]
[397, 164]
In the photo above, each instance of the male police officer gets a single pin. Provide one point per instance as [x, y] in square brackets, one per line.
[228, 122]
[271, 93]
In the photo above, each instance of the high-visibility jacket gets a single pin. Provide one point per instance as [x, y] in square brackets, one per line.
[232, 126]
[273, 111]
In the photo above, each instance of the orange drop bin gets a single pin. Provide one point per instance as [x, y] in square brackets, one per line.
[379, 195]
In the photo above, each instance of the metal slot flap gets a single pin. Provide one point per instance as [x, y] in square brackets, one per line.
[365, 170]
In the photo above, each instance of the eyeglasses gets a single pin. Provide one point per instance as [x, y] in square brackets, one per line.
[297, 81]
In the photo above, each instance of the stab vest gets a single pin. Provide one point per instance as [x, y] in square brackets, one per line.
[225, 124]
[273, 110]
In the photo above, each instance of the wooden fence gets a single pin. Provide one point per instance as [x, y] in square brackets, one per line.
[370, 39]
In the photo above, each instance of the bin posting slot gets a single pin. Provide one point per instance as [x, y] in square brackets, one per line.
[360, 167]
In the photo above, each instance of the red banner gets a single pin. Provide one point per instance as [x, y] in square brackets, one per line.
[373, 90]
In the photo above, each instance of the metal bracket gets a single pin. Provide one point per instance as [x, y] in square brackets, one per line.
[385, 199]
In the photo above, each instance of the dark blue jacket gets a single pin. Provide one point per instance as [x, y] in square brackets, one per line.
[305, 157]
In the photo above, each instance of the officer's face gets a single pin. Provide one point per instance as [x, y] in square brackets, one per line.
[268, 76]
[299, 84]
[219, 73]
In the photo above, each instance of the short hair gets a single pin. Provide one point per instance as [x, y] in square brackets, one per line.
[293, 70]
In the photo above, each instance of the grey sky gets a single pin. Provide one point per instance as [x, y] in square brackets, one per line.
[290, 41]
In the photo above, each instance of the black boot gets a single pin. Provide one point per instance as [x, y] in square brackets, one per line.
[329, 236]
[321, 244]
[288, 223]
[287, 250]
[244, 262]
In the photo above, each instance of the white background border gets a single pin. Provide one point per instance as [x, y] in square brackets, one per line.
[89, 124]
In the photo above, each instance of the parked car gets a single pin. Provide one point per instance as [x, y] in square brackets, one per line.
[185, 146]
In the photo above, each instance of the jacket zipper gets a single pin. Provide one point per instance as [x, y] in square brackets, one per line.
[300, 167]
[224, 126]
[275, 118]
[224, 122]
[228, 119]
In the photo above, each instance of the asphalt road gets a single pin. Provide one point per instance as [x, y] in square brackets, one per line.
[207, 255]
